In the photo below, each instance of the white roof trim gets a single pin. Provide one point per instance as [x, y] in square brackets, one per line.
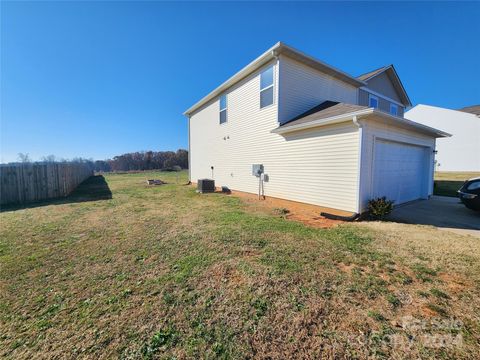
[267, 56]
[358, 115]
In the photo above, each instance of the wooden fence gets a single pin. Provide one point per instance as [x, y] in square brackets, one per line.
[24, 183]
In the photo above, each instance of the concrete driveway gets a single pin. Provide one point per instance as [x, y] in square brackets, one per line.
[446, 213]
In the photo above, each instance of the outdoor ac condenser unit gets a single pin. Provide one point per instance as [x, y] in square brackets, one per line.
[205, 185]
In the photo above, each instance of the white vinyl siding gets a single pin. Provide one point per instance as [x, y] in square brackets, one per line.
[317, 167]
[301, 88]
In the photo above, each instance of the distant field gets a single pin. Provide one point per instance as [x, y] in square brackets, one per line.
[125, 270]
[447, 183]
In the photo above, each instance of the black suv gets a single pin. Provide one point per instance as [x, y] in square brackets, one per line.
[469, 193]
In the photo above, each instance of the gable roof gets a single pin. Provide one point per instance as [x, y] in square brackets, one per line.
[278, 49]
[394, 78]
[332, 112]
[474, 109]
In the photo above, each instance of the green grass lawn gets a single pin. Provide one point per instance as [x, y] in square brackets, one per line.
[447, 183]
[164, 272]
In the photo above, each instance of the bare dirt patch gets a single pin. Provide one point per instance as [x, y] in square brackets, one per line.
[304, 213]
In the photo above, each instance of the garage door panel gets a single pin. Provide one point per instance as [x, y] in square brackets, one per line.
[399, 171]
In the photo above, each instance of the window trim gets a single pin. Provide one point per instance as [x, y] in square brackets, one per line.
[222, 109]
[370, 96]
[267, 87]
[394, 106]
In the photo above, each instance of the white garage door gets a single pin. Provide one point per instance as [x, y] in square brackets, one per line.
[400, 171]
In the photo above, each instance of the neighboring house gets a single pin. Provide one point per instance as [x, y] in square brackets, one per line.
[323, 136]
[461, 152]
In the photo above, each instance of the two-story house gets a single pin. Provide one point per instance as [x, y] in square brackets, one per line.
[323, 137]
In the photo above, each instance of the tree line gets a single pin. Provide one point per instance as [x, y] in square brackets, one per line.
[145, 160]
[135, 161]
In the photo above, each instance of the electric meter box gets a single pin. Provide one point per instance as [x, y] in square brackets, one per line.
[257, 170]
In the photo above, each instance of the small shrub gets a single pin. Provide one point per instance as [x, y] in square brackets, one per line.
[379, 208]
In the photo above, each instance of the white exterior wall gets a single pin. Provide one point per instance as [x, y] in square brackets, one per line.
[302, 88]
[461, 152]
[377, 129]
[317, 167]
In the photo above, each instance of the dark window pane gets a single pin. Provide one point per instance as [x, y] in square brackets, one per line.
[223, 102]
[266, 78]
[373, 103]
[266, 97]
[223, 116]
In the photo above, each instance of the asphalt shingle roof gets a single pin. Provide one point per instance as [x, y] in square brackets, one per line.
[474, 109]
[371, 73]
[324, 110]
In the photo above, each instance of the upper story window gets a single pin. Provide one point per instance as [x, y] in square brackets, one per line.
[223, 109]
[372, 101]
[394, 109]
[266, 87]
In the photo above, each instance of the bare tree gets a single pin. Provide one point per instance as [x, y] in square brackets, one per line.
[24, 158]
[49, 158]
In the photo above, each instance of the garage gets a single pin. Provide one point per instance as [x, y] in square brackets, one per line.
[400, 171]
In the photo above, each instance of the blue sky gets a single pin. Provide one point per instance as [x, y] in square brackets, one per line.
[97, 79]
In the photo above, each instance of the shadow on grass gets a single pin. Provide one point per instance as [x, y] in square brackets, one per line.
[93, 189]
[447, 187]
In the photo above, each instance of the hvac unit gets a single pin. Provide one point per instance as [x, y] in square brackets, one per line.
[205, 185]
